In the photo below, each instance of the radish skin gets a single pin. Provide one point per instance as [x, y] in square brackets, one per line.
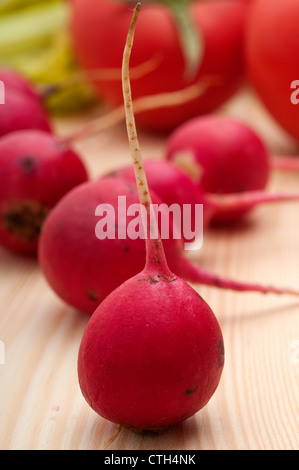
[225, 156]
[221, 154]
[36, 171]
[22, 111]
[13, 80]
[221, 24]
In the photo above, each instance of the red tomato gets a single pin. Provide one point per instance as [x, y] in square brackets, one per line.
[99, 29]
[272, 56]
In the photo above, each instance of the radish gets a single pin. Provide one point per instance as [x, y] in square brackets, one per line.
[223, 155]
[152, 354]
[27, 103]
[90, 269]
[23, 106]
[13, 80]
[36, 170]
[170, 184]
[173, 185]
[217, 28]
[270, 46]
[22, 111]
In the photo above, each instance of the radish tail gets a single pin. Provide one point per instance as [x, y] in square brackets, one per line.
[197, 275]
[247, 200]
[287, 163]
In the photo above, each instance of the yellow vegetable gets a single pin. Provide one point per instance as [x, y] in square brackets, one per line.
[35, 40]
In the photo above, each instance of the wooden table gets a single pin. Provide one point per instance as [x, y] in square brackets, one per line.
[256, 404]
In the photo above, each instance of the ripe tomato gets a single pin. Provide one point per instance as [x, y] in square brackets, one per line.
[272, 57]
[99, 29]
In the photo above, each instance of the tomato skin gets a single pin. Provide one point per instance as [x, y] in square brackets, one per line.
[272, 57]
[99, 29]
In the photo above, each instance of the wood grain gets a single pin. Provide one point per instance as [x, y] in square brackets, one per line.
[256, 404]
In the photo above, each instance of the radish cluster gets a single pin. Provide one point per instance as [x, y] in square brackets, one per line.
[36, 168]
[90, 269]
[172, 183]
[194, 147]
[152, 353]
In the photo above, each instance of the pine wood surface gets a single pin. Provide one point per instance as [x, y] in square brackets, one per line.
[256, 404]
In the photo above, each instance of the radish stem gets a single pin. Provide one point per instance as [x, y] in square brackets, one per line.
[155, 255]
[88, 76]
[145, 103]
[244, 201]
[285, 163]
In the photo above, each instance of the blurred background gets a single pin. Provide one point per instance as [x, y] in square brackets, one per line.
[36, 41]
[76, 43]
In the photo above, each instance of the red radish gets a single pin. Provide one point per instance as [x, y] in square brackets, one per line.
[22, 111]
[271, 56]
[219, 27]
[24, 103]
[222, 155]
[90, 269]
[152, 354]
[36, 170]
[173, 185]
[13, 80]
[23, 106]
